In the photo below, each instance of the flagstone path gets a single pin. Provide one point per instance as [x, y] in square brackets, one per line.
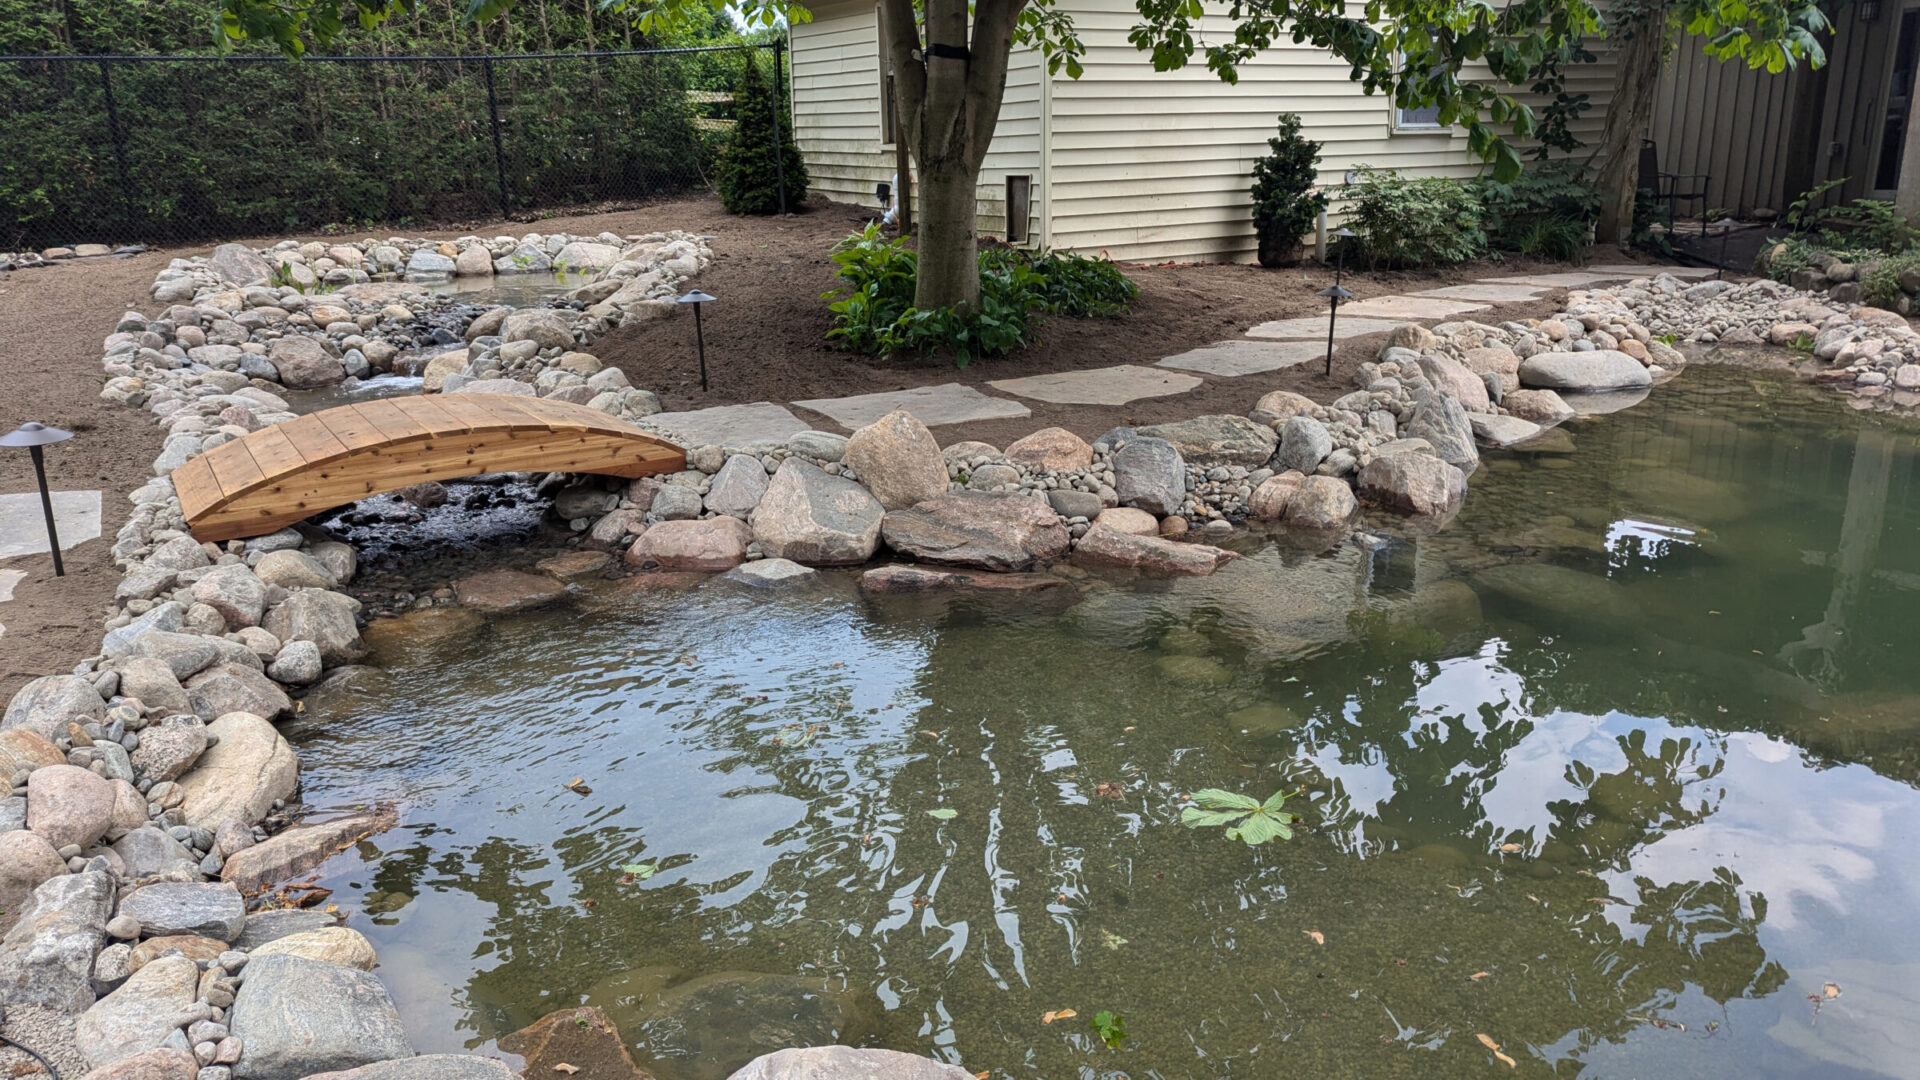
[1267, 347]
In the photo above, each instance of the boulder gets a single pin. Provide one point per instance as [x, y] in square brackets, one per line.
[495, 591]
[583, 255]
[819, 445]
[169, 747]
[238, 264]
[293, 569]
[184, 655]
[773, 573]
[1414, 483]
[295, 851]
[1442, 421]
[1128, 520]
[1557, 590]
[138, 1017]
[897, 459]
[69, 805]
[1053, 449]
[323, 617]
[46, 959]
[149, 850]
[295, 1017]
[545, 327]
[1494, 360]
[1279, 406]
[202, 908]
[272, 925]
[165, 1063]
[242, 776]
[1502, 430]
[1457, 381]
[1411, 336]
[426, 262]
[738, 486]
[192, 946]
[298, 663]
[332, 944]
[709, 545]
[1217, 440]
[44, 705]
[437, 1067]
[1322, 502]
[1150, 474]
[1544, 407]
[304, 363]
[235, 688]
[27, 861]
[1269, 501]
[236, 592]
[1304, 444]
[846, 1063]
[701, 1018]
[1106, 546]
[1584, 372]
[474, 260]
[23, 748]
[978, 529]
[433, 377]
[908, 579]
[574, 565]
[553, 1044]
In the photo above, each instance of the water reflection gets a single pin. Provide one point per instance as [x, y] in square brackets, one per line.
[1568, 783]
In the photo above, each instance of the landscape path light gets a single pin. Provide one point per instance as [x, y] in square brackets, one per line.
[33, 436]
[1335, 293]
[697, 298]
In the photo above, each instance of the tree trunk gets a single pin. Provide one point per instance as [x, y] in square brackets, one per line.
[1629, 118]
[949, 266]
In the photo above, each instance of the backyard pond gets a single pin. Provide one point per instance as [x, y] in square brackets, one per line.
[1613, 776]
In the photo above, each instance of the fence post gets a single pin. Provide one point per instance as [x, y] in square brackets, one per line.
[119, 141]
[499, 156]
[779, 106]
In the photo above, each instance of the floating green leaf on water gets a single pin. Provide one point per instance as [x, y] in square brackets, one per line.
[944, 813]
[1111, 940]
[1247, 819]
[639, 871]
[1111, 1029]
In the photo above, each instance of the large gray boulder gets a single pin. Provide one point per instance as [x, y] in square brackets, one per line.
[295, 1017]
[322, 617]
[545, 327]
[69, 805]
[1150, 474]
[984, 530]
[235, 688]
[154, 1002]
[241, 776]
[816, 519]
[150, 850]
[27, 861]
[169, 747]
[1321, 502]
[202, 908]
[236, 592]
[738, 486]
[1414, 483]
[46, 959]
[1217, 440]
[1457, 381]
[1442, 422]
[1584, 372]
[897, 458]
[238, 264]
[44, 705]
[1105, 546]
[153, 682]
[847, 1063]
[426, 1067]
[1304, 444]
[304, 363]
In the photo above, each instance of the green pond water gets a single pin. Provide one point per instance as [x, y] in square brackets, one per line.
[1617, 769]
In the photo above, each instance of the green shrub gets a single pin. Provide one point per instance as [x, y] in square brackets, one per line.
[1403, 222]
[873, 312]
[750, 173]
[1547, 213]
[1285, 206]
[1880, 279]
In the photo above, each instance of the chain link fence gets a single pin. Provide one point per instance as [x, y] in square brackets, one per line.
[174, 149]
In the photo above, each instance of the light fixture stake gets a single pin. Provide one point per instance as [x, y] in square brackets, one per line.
[697, 298]
[34, 436]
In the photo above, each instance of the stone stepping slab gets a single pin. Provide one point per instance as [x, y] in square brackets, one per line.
[1571, 279]
[1314, 328]
[8, 579]
[729, 425]
[1409, 307]
[1488, 291]
[1235, 358]
[23, 524]
[1099, 386]
[1634, 270]
[948, 403]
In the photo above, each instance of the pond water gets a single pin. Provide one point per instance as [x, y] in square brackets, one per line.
[1617, 770]
[511, 290]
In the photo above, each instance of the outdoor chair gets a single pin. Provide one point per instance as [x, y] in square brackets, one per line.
[1672, 188]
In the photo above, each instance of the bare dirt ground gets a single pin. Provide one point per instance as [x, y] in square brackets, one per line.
[766, 341]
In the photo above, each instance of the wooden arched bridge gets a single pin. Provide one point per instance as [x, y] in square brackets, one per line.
[276, 476]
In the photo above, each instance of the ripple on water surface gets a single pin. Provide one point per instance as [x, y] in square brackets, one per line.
[1617, 770]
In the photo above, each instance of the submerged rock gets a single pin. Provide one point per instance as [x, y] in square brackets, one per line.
[977, 529]
[834, 1062]
[583, 1038]
[709, 1027]
[498, 591]
[1557, 589]
[295, 1017]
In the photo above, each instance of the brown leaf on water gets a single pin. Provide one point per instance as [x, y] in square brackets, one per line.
[1478, 975]
[1511, 1064]
[1057, 1014]
[1487, 1041]
[1107, 789]
[1831, 990]
[578, 785]
[563, 1067]
[1510, 849]
[930, 734]
[982, 1074]
[1318, 937]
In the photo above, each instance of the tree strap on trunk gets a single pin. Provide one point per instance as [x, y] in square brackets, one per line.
[949, 52]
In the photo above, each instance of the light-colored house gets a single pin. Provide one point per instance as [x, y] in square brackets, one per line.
[1145, 165]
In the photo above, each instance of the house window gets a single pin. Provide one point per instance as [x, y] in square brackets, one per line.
[1425, 118]
[1019, 208]
[886, 79]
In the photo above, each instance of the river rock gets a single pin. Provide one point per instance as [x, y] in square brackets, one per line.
[153, 682]
[474, 260]
[441, 1067]
[23, 748]
[496, 591]
[1442, 421]
[1053, 449]
[192, 946]
[241, 776]
[1217, 440]
[897, 578]
[1544, 407]
[45, 705]
[700, 1019]
[297, 850]
[772, 573]
[69, 805]
[819, 445]
[1558, 590]
[292, 569]
[207, 909]
[1322, 502]
[1502, 430]
[573, 1038]
[333, 944]
[164, 1063]
[1414, 483]
[46, 959]
[1457, 381]
[738, 486]
[304, 363]
[149, 850]
[1269, 501]
[1279, 406]
[295, 1017]
[979, 529]
[238, 264]
[847, 1063]
[1150, 474]
[323, 617]
[1585, 372]
[545, 327]
[27, 860]
[297, 664]
[169, 747]
[138, 1017]
[233, 688]
[1304, 444]
[1106, 546]
[1128, 520]
[708, 545]
[236, 592]
[898, 460]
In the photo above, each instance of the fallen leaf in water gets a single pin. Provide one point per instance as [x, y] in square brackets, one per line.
[1057, 1014]
[930, 734]
[945, 813]
[563, 1067]
[982, 1074]
[1478, 975]
[1486, 1041]
[1111, 940]
[1318, 937]
[578, 785]
[1510, 848]
[1511, 1064]
[1107, 789]
[1129, 727]
[1831, 990]
[838, 663]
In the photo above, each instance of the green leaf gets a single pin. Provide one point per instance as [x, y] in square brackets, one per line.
[641, 870]
[944, 813]
[1216, 799]
[1194, 818]
[1275, 802]
[1258, 829]
[1110, 1027]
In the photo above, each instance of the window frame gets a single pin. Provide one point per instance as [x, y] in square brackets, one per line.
[889, 120]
